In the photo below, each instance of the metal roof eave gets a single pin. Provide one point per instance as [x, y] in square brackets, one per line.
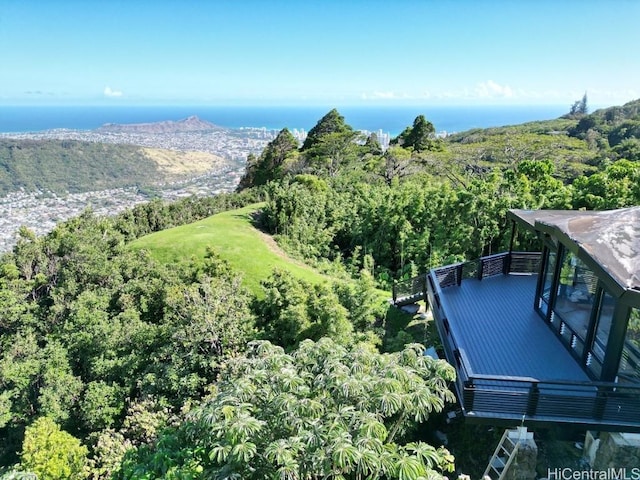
[526, 218]
[613, 286]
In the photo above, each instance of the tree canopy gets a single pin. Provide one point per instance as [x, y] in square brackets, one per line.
[51, 453]
[332, 122]
[579, 108]
[321, 412]
[271, 162]
[419, 137]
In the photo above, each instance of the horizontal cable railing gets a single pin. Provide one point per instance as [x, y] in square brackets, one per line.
[579, 402]
[494, 265]
[490, 266]
[630, 363]
[449, 276]
[452, 352]
[496, 396]
[407, 291]
[524, 262]
[409, 288]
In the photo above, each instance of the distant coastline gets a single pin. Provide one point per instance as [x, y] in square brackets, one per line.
[388, 119]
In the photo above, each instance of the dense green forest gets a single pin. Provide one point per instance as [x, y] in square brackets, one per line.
[63, 166]
[116, 365]
[427, 201]
[71, 166]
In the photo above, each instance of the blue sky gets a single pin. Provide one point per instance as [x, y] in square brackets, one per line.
[345, 52]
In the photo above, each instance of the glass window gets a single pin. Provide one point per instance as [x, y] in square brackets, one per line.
[603, 325]
[594, 365]
[576, 294]
[545, 295]
[629, 369]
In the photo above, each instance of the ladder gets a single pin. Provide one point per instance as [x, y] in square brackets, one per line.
[504, 454]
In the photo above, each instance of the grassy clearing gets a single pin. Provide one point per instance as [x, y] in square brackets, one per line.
[180, 164]
[232, 235]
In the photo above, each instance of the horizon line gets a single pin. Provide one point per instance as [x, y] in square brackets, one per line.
[296, 105]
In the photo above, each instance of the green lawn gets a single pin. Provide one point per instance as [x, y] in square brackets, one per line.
[232, 235]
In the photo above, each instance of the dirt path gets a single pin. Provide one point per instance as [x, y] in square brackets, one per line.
[273, 246]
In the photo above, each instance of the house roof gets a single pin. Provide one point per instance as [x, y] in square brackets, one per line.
[610, 239]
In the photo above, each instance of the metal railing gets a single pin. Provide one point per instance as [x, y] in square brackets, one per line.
[455, 355]
[412, 289]
[490, 266]
[589, 403]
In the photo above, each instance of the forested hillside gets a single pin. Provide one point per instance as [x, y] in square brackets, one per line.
[117, 364]
[62, 166]
[427, 201]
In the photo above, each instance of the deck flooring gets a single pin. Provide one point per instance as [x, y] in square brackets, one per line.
[494, 323]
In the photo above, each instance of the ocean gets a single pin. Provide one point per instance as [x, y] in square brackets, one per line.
[388, 119]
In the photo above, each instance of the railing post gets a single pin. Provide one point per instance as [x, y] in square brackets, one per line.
[468, 395]
[424, 289]
[459, 274]
[532, 402]
[600, 403]
[445, 323]
[480, 268]
[394, 293]
[506, 266]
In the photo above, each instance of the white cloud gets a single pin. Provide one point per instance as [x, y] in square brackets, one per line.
[108, 92]
[608, 96]
[385, 96]
[380, 96]
[554, 95]
[39, 93]
[492, 92]
[491, 89]
[389, 95]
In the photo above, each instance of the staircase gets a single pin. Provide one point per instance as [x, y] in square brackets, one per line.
[505, 453]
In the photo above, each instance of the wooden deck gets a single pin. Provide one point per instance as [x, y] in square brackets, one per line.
[511, 367]
[497, 329]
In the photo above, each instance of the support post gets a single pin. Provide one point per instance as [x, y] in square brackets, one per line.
[513, 236]
[468, 394]
[615, 344]
[424, 290]
[600, 403]
[506, 265]
[534, 397]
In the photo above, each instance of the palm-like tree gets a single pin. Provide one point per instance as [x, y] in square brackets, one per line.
[322, 412]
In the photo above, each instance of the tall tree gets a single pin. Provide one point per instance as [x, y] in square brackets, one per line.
[332, 122]
[396, 163]
[332, 152]
[579, 107]
[271, 163]
[420, 137]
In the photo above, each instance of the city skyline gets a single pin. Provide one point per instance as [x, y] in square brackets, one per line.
[67, 52]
